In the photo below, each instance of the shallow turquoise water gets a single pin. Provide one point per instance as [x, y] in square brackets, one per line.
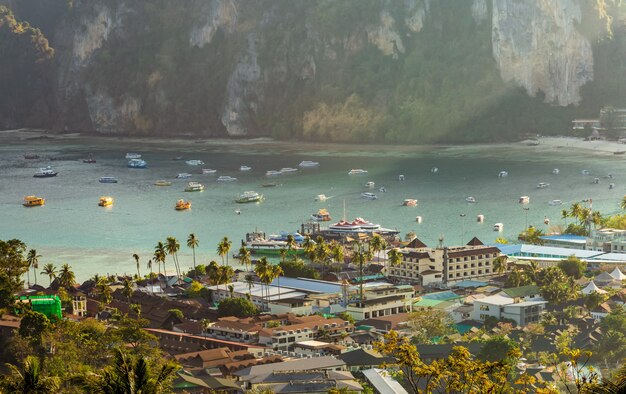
[72, 228]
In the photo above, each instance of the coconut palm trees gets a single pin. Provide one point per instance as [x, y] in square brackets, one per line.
[377, 244]
[104, 292]
[127, 288]
[159, 255]
[223, 247]
[290, 242]
[499, 264]
[67, 279]
[29, 380]
[211, 271]
[50, 270]
[361, 256]
[244, 256]
[263, 270]
[193, 242]
[224, 274]
[172, 247]
[136, 257]
[394, 256]
[308, 245]
[276, 272]
[32, 259]
[336, 252]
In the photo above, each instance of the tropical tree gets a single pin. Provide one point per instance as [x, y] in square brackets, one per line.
[575, 210]
[211, 271]
[67, 279]
[336, 252]
[149, 267]
[377, 244]
[30, 379]
[104, 292]
[263, 270]
[244, 256]
[250, 282]
[500, 264]
[277, 272]
[172, 246]
[564, 215]
[394, 256]
[159, 256]
[616, 385]
[224, 274]
[223, 247]
[573, 266]
[127, 288]
[308, 244]
[290, 242]
[320, 253]
[283, 254]
[33, 262]
[130, 375]
[622, 204]
[136, 257]
[193, 242]
[50, 270]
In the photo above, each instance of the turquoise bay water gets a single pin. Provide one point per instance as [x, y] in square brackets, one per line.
[72, 228]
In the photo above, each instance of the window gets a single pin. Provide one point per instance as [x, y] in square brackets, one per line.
[484, 307]
[483, 317]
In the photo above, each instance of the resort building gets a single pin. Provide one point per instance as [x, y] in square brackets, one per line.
[230, 329]
[546, 256]
[503, 307]
[607, 240]
[565, 241]
[582, 124]
[284, 337]
[381, 299]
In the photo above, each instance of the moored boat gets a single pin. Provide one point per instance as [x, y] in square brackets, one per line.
[434, 170]
[555, 202]
[321, 216]
[183, 175]
[369, 196]
[369, 185]
[194, 187]
[498, 227]
[288, 170]
[208, 171]
[273, 173]
[524, 200]
[33, 201]
[226, 178]
[410, 202]
[194, 162]
[503, 174]
[321, 197]
[107, 179]
[162, 182]
[137, 163]
[556, 171]
[105, 201]
[249, 196]
[270, 184]
[357, 171]
[271, 247]
[90, 159]
[245, 168]
[585, 172]
[182, 205]
[542, 185]
[470, 199]
[46, 172]
[130, 156]
[400, 177]
[308, 164]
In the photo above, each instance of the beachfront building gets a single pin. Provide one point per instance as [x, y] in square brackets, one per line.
[381, 299]
[607, 240]
[546, 256]
[501, 306]
[582, 124]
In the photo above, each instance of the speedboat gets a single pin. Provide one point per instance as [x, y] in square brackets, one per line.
[107, 179]
[585, 172]
[400, 177]
[249, 196]
[137, 163]
[410, 202]
[382, 189]
[208, 171]
[194, 162]
[611, 186]
[33, 201]
[308, 163]
[273, 173]
[542, 185]
[609, 175]
[321, 216]
[321, 197]
[45, 173]
[182, 205]
[183, 175]
[434, 170]
[369, 185]
[357, 171]
[596, 181]
[270, 184]
[503, 174]
[226, 178]
[498, 227]
[555, 171]
[245, 168]
[524, 200]
[470, 199]
[105, 201]
[369, 196]
[288, 170]
[130, 156]
[89, 160]
[555, 202]
[194, 187]
[162, 182]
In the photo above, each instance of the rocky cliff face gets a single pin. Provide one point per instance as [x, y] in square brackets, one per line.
[240, 68]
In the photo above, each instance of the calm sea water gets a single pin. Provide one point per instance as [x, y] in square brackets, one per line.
[72, 228]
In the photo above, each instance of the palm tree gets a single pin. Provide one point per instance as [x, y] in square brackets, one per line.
[193, 242]
[224, 274]
[29, 380]
[377, 243]
[231, 290]
[127, 288]
[250, 282]
[105, 292]
[262, 270]
[336, 252]
[66, 277]
[290, 242]
[308, 244]
[394, 256]
[277, 272]
[575, 210]
[499, 264]
[32, 259]
[136, 257]
[211, 271]
[244, 256]
[564, 215]
[223, 248]
[361, 257]
[50, 270]
[159, 256]
[622, 203]
[283, 254]
[149, 266]
[596, 219]
[132, 375]
[172, 246]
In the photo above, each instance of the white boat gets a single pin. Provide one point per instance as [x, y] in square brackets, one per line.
[321, 216]
[249, 196]
[585, 172]
[308, 164]
[46, 172]
[245, 168]
[288, 170]
[611, 186]
[382, 189]
[208, 171]
[470, 199]
[369, 185]
[596, 181]
[555, 202]
[226, 178]
[130, 156]
[434, 170]
[273, 173]
[357, 171]
[137, 163]
[542, 185]
[498, 227]
[321, 197]
[107, 179]
[183, 175]
[410, 202]
[194, 187]
[555, 171]
[503, 174]
[195, 162]
[162, 182]
[524, 200]
[369, 196]
[359, 225]
[400, 177]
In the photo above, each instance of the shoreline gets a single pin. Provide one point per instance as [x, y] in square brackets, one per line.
[265, 145]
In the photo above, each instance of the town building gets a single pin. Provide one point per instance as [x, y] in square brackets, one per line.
[607, 240]
[283, 338]
[504, 307]
[582, 124]
[381, 299]
[569, 241]
[230, 329]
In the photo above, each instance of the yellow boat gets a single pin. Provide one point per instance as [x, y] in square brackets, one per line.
[33, 201]
[105, 201]
[162, 182]
[182, 205]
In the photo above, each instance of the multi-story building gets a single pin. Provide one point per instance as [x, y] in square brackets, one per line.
[424, 265]
[284, 337]
[607, 240]
[233, 330]
[503, 307]
[382, 300]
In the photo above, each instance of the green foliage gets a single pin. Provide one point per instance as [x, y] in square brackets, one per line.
[573, 267]
[12, 266]
[298, 269]
[346, 316]
[576, 229]
[239, 307]
[428, 324]
[616, 221]
[555, 286]
[497, 348]
[176, 312]
[33, 326]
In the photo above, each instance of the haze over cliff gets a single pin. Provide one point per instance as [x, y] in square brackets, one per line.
[414, 71]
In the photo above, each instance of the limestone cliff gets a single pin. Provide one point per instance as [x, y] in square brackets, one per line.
[426, 71]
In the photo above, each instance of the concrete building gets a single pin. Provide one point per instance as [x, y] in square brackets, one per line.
[607, 240]
[283, 338]
[381, 300]
[229, 330]
[504, 307]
